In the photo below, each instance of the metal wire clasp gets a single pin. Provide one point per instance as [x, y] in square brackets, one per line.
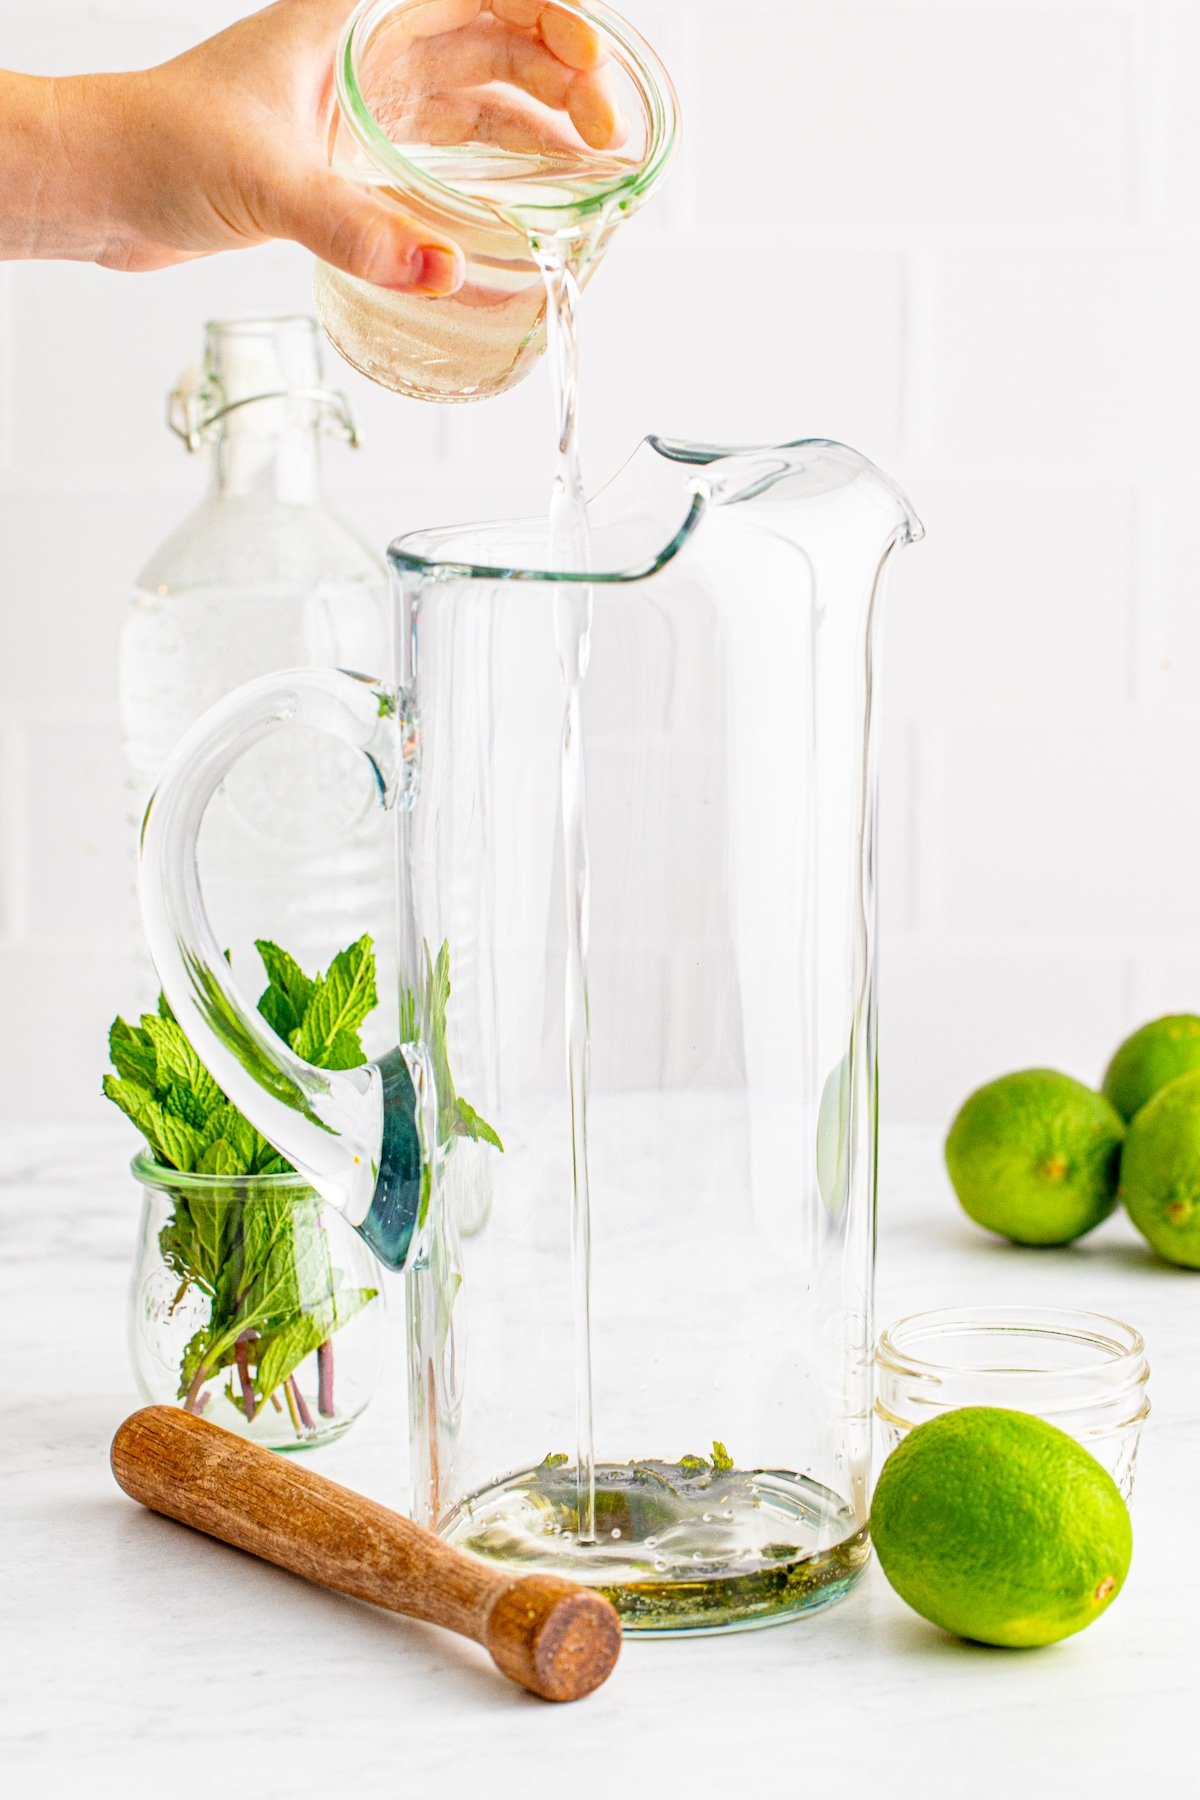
[193, 410]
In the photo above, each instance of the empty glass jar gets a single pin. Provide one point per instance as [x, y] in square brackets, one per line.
[492, 168]
[1080, 1371]
[254, 1304]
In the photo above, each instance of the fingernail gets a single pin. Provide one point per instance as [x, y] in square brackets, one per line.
[437, 269]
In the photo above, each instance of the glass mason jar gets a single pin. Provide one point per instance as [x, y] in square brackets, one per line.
[254, 1303]
[1080, 1371]
[497, 195]
[635, 819]
[263, 571]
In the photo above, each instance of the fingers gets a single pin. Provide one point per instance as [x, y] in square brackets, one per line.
[484, 52]
[497, 116]
[432, 17]
[594, 112]
[355, 233]
[524, 13]
[571, 39]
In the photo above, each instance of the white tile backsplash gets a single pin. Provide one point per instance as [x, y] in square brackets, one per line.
[77, 836]
[888, 119]
[965, 238]
[1020, 600]
[1074, 360]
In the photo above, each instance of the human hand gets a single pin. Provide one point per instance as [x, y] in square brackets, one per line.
[226, 146]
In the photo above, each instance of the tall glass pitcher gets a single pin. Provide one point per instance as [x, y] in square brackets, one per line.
[637, 944]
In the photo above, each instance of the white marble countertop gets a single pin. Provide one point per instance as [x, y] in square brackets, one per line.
[139, 1659]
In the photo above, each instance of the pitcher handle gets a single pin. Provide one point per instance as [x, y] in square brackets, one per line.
[364, 1137]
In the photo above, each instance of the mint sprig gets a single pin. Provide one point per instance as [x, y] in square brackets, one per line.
[260, 1258]
[456, 1117]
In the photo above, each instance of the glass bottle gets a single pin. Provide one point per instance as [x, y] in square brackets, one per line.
[262, 575]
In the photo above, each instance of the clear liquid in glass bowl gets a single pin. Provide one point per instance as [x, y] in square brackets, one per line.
[501, 192]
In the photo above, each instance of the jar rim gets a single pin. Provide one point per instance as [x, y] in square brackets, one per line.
[1121, 1343]
[662, 108]
[154, 1174]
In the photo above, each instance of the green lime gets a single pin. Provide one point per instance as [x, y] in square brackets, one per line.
[1144, 1063]
[1034, 1156]
[999, 1527]
[1160, 1171]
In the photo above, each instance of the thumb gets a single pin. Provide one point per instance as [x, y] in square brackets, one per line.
[362, 236]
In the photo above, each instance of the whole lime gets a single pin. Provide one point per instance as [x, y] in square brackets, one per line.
[1034, 1156]
[1146, 1061]
[999, 1527]
[1160, 1171]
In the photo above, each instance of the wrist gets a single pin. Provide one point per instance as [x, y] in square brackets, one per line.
[60, 165]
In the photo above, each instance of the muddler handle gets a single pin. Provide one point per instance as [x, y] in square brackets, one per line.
[554, 1637]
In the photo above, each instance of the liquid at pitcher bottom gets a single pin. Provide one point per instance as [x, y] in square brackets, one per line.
[677, 1547]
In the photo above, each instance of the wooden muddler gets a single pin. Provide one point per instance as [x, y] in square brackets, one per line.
[557, 1639]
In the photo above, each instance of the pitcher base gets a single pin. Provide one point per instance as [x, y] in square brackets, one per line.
[678, 1547]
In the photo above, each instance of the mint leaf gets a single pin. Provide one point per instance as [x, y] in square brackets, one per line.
[285, 975]
[173, 1140]
[468, 1124]
[183, 1102]
[456, 1117]
[270, 1163]
[345, 1052]
[182, 1144]
[438, 992]
[220, 1158]
[340, 1001]
[132, 1053]
[212, 1223]
[279, 1013]
[266, 1222]
[233, 1129]
[139, 1105]
[177, 1064]
[286, 1350]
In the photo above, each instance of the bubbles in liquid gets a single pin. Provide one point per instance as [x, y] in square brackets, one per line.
[676, 1548]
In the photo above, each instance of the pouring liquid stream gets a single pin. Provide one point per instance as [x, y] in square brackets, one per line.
[569, 549]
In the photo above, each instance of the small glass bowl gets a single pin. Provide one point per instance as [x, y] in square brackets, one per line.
[488, 336]
[1080, 1371]
[264, 1251]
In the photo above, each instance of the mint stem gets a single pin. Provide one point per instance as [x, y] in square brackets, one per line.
[243, 1368]
[306, 1418]
[325, 1378]
[198, 1380]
